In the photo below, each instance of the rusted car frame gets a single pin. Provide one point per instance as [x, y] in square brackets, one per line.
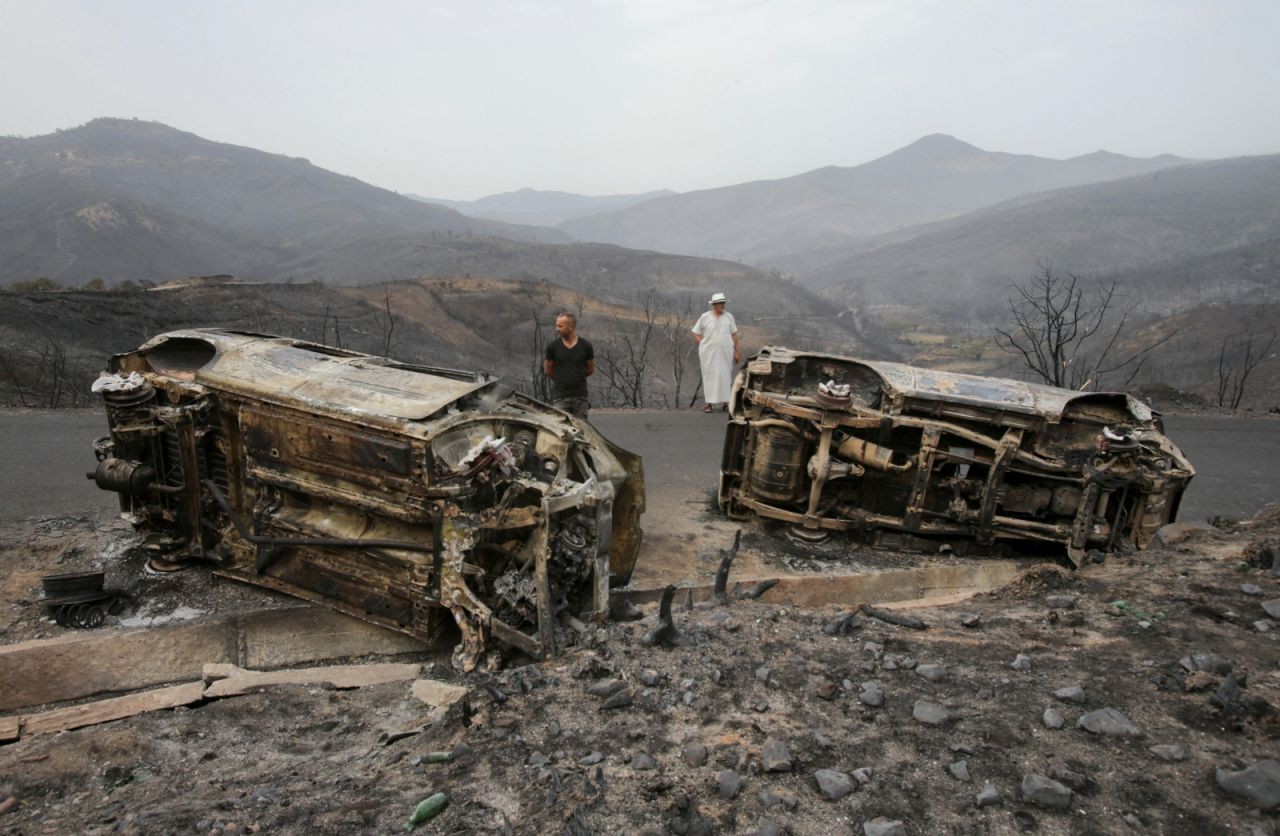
[400, 494]
[925, 460]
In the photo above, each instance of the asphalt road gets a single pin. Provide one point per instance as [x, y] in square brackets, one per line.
[44, 457]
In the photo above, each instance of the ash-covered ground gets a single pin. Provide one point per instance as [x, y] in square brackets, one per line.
[1136, 695]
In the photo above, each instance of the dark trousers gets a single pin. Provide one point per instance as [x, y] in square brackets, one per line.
[577, 407]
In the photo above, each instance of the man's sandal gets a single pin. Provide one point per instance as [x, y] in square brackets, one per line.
[708, 408]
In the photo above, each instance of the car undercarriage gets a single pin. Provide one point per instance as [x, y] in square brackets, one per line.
[403, 495]
[930, 461]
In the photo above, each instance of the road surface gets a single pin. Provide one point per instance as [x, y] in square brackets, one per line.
[44, 457]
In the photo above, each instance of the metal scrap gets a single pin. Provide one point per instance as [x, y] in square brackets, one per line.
[922, 460]
[404, 495]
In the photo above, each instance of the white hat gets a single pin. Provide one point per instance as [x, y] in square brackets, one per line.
[716, 298]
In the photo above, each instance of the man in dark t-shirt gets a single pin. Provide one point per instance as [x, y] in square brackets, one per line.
[569, 361]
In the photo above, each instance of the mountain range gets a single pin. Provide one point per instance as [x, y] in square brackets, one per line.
[543, 208]
[122, 198]
[938, 222]
[1156, 230]
[774, 222]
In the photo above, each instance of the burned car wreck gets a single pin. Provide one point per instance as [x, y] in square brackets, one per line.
[400, 494]
[924, 460]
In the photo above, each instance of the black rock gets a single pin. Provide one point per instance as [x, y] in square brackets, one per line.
[1258, 784]
[960, 770]
[1208, 662]
[644, 761]
[775, 756]
[833, 784]
[769, 799]
[1227, 696]
[1046, 792]
[695, 754]
[730, 783]
[933, 673]
[930, 713]
[1064, 775]
[769, 827]
[988, 797]
[606, 687]
[1072, 694]
[1169, 752]
[619, 700]
[1108, 722]
[882, 826]
[871, 694]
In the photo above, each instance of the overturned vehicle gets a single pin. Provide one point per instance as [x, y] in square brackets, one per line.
[924, 460]
[400, 494]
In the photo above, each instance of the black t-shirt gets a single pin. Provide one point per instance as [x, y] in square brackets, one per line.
[569, 372]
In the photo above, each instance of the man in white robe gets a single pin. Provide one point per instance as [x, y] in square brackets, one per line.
[718, 351]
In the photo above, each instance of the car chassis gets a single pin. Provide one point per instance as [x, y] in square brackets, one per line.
[399, 494]
[925, 460]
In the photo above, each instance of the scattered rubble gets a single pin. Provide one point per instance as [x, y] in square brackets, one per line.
[856, 733]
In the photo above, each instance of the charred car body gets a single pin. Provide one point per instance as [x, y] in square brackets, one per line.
[923, 460]
[400, 494]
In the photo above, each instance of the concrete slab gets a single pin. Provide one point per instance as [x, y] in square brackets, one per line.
[81, 665]
[938, 582]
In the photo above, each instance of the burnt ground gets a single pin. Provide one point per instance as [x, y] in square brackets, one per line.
[537, 753]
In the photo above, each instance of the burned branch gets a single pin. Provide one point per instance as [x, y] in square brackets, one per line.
[756, 590]
[665, 631]
[722, 574]
[890, 617]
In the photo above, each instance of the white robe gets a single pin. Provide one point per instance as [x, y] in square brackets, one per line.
[715, 354]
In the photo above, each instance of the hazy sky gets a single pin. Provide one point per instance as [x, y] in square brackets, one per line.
[463, 98]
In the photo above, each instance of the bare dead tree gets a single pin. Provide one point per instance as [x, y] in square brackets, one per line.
[53, 361]
[324, 327]
[539, 383]
[625, 358]
[676, 332]
[1232, 379]
[9, 373]
[386, 321]
[1066, 339]
[60, 383]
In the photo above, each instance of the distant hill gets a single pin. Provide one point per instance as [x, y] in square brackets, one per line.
[58, 225]
[229, 208]
[771, 221]
[543, 208]
[1171, 235]
[602, 270]
[53, 344]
